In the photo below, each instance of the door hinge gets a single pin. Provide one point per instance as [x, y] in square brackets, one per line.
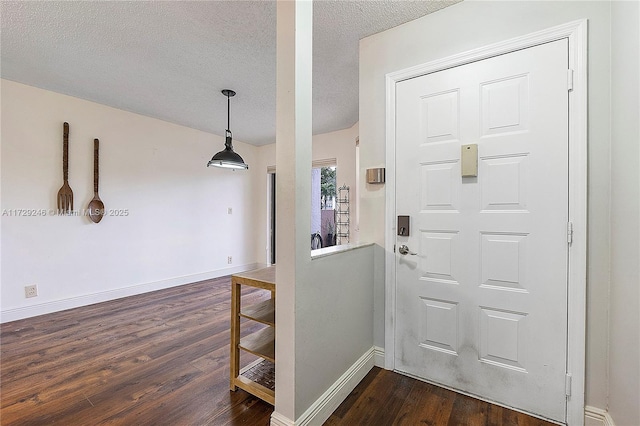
[394, 248]
[570, 79]
[567, 384]
[569, 232]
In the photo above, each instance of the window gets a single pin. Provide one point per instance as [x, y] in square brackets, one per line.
[323, 201]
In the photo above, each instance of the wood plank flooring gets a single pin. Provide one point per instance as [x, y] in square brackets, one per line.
[162, 358]
[387, 398]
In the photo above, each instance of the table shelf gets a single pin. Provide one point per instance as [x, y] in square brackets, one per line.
[264, 312]
[260, 343]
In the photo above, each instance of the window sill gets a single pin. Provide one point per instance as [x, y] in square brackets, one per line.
[330, 251]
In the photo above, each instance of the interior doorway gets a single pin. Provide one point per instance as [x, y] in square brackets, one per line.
[272, 218]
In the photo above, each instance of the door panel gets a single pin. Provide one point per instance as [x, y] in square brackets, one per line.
[482, 306]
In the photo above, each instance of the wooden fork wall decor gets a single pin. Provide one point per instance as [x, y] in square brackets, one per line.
[65, 194]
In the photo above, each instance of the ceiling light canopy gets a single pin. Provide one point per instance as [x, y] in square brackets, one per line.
[227, 158]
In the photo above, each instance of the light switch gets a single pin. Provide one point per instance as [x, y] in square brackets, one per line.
[469, 156]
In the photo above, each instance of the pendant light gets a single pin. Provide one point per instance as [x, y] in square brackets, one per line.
[227, 158]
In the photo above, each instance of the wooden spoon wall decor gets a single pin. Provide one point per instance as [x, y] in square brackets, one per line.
[65, 194]
[96, 206]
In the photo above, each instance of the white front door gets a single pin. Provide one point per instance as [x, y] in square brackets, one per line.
[481, 304]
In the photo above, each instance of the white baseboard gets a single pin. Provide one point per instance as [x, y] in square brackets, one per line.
[594, 416]
[378, 354]
[278, 419]
[104, 296]
[324, 406]
[320, 410]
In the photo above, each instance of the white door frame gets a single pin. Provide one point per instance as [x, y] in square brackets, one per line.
[576, 33]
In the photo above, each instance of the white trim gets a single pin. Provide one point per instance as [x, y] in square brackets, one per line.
[599, 415]
[576, 33]
[105, 296]
[331, 250]
[378, 356]
[577, 274]
[278, 419]
[326, 162]
[324, 406]
[315, 164]
[390, 225]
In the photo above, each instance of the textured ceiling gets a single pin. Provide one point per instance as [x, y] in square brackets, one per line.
[170, 59]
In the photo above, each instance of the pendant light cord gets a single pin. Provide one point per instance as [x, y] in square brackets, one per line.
[227, 158]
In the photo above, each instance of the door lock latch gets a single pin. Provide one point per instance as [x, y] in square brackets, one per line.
[403, 249]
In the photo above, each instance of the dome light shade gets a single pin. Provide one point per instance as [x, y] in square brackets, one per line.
[227, 158]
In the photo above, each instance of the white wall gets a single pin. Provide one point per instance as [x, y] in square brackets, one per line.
[294, 38]
[340, 145]
[470, 25]
[324, 306]
[334, 321]
[624, 346]
[177, 229]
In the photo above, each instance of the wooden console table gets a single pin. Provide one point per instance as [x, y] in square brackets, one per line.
[260, 343]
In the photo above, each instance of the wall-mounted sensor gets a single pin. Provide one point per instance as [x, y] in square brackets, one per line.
[375, 175]
[469, 161]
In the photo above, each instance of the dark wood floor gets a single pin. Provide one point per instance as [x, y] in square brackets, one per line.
[387, 398]
[162, 358]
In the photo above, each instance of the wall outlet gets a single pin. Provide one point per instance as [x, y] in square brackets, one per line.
[229, 210]
[30, 290]
[229, 259]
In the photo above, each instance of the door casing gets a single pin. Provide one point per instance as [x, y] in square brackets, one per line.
[576, 33]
